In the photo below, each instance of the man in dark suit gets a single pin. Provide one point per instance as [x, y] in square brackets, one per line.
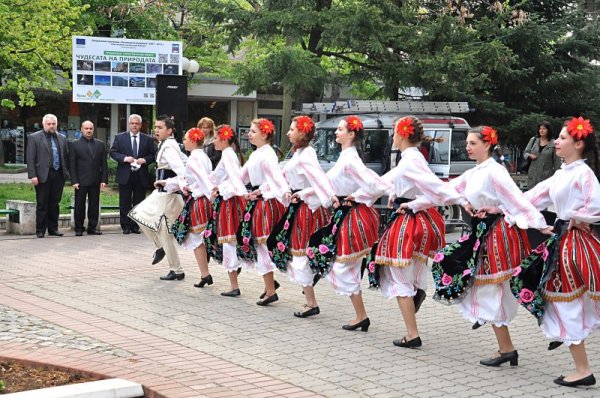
[89, 174]
[48, 168]
[133, 152]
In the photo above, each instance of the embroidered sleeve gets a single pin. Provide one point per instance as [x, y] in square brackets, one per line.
[589, 190]
[274, 185]
[310, 168]
[515, 206]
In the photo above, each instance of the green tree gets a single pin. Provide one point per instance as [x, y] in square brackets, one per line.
[36, 47]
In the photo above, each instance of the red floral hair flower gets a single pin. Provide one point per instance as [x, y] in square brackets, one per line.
[225, 132]
[405, 127]
[354, 123]
[490, 135]
[266, 126]
[195, 134]
[579, 127]
[304, 124]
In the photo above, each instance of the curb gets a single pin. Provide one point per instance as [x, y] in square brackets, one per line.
[110, 388]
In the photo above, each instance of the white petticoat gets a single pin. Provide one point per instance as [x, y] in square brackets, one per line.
[345, 277]
[230, 259]
[571, 321]
[263, 264]
[193, 241]
[489, 303]
[403, 281]
[299, 271]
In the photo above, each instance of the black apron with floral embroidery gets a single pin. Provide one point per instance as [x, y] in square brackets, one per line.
[279, 241]
[455, 266]
[213, 249]
[531, 275]
[245, 248]
[181, 225]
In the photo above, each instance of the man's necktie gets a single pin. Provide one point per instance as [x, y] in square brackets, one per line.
[135, 147]
[55, 155]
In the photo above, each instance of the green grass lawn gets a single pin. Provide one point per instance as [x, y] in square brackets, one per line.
[108, 196]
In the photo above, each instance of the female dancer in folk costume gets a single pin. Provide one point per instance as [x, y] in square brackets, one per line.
[475, 271]
[228, 206]
[571, 278]
[266, 205]
[415, 232]
[354, 228]
[160, 205]
[306, 213]
[198, 207]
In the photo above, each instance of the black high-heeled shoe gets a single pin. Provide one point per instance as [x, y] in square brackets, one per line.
[553, 345]
[414, 343]
[512, 357]
[268, 300]
[586, 381]
[231, 293]
[418, 299]
[207, 280]
[363, 325]
[477, 325]
[262, 296]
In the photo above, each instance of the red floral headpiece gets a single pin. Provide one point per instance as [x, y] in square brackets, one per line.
[490, 135]
[195, 134]
[354, 123]
[405, 127]
[225, 132]
[579, 128]
[266, 126]
[305, 124]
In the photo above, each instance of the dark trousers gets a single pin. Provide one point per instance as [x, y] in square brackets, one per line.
[47, 197]
[130, 195]
[92, 193]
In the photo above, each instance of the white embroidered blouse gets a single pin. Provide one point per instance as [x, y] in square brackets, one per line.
[489, 184]
[170, 157]
[303, 171]
[350, 177]
[412, 178]
[228, 175]
[262, 171]
[573, 190]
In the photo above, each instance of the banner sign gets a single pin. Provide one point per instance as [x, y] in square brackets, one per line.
[121, 71]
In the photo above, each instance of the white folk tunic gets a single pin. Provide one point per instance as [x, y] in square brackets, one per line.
[303, 171]
[262, 171]
[228, 175]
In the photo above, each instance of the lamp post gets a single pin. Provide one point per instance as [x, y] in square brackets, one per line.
[190, 67]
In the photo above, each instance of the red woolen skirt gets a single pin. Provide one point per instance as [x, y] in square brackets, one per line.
[578, 269]
[357, 233]
[305, 224]
[504, 249]
[229, 218]
[266, 214]
[411, 236]
[200, 214]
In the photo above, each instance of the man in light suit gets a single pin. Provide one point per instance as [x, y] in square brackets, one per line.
[89, 174]
[134, 152]
[48, 168]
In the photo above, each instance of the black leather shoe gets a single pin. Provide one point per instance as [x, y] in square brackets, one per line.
[136, 231]
[310, 312]
[204, 281]
[239, 270]
[268, 300]
[94, 232]
[159, 254]
[126, 231]
[414, 343]
[363, 325]
[512, 357]
[232, 293]
[78, 233]
[171, 276]
[419, 298]
[586, 381]
[477, 325]
[262, 296]
[55, 233]
[553, 345]
[39, 234]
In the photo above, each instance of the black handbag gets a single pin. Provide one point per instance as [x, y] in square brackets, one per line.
[524, 166]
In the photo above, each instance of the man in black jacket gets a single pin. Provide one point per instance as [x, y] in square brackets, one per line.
[89, 174]
[48, 168]
[134, 152]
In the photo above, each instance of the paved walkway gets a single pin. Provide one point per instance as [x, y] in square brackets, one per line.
[11, 178]
[95, 303]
